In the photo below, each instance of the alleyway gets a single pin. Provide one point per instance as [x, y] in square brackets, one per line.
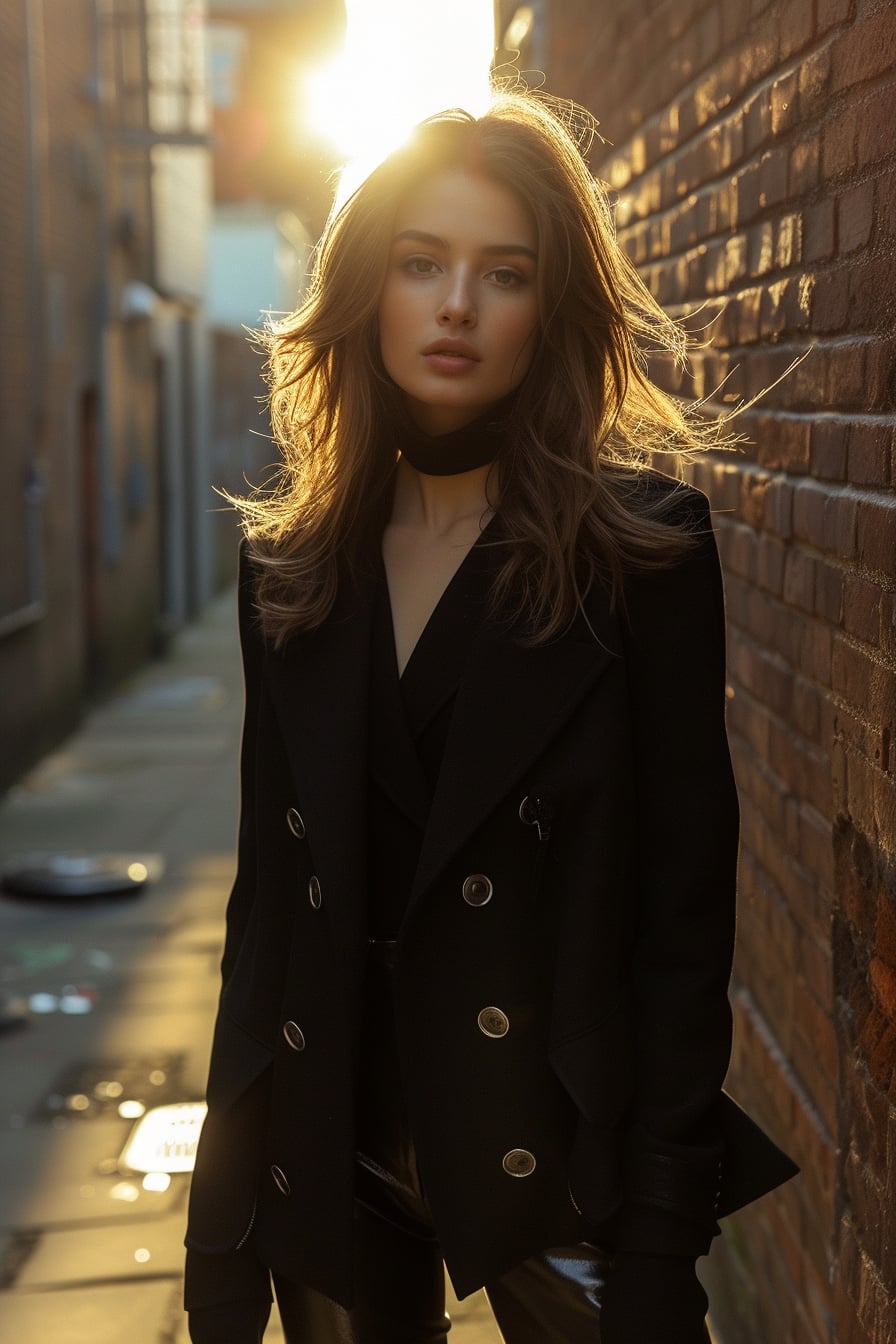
[121, 996]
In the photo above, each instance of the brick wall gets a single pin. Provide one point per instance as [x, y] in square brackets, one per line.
[753, 149]
[78, 594]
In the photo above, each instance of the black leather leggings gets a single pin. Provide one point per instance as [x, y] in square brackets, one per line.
[400, 1279]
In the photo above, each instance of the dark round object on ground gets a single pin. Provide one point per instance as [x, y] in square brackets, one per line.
[75, 877]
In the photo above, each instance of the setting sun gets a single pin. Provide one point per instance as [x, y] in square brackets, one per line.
[402, 60]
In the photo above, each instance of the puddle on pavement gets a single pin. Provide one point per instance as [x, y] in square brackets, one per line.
[126, 1088]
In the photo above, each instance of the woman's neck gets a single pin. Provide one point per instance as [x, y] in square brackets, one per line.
[440, 505]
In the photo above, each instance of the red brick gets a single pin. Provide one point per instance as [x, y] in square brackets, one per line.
[779, 507]
[861, 608]
[795, 24]
[830, 301]
[814, 955]
[875, 127]
[845, 384]
[886, 205]
[805, 161]
[864, 50]
[880, 375]
[830, 13]
[828, 449]
[799, 579]
[814, 73]
[770, 565]
[814, 652]
[855, 216]
[784, 102]
[773, 178]
[809, 503]
[840, 526]
[870, 277]
[883, 981]
[840, 143]
[885, 929]
[829, 597]
[876, 535]
[746, 194]
[868, 454]
[818, 230]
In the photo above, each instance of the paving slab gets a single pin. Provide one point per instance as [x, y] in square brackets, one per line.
[140, 1250]
[132, 1312]
[50, 1177]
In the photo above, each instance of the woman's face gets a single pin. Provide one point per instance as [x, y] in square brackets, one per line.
[458, 315]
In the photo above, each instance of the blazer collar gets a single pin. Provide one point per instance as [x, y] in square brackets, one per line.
[511, 702]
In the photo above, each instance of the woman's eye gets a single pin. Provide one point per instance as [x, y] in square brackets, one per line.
[505, 277]
[419, 266]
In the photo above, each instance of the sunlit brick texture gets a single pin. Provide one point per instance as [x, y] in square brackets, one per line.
[752, 158]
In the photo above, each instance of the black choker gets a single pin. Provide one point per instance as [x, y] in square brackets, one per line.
[473, 445]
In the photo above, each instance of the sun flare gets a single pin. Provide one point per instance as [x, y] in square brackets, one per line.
[402, 60]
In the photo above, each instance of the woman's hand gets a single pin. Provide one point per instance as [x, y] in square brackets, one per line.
[653, 1299]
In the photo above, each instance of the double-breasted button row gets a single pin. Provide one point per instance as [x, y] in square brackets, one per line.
[492, 1022]
[519, 1162]
[477, 889]
[295, 823]
[295, 1037]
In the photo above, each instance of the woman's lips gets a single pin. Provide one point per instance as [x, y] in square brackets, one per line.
[446, 362]
[450, 356]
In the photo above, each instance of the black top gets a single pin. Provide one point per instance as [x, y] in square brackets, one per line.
[410, 718]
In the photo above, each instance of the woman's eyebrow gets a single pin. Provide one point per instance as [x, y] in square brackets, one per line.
[492, 250]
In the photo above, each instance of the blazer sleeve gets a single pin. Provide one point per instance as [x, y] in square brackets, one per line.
[687, 825]
[252, 648]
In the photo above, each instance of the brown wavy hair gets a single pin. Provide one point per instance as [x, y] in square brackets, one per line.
[587, 418]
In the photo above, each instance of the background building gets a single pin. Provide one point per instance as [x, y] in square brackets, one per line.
[160, 193]
[103, 380]
[750, 146]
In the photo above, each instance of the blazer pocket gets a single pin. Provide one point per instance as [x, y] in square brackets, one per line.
[596, 1068]
[237, 1059]
[224, 1185]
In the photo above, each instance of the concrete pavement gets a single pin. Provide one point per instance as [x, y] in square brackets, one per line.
[120, 995]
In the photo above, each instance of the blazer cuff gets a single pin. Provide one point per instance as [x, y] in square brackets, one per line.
[683, 1183]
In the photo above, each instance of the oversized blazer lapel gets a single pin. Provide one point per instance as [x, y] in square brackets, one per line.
[320, 689]
[511, 703]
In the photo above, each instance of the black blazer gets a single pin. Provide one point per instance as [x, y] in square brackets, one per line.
[586, 788]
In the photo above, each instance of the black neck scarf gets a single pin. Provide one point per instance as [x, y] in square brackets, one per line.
[473, 445]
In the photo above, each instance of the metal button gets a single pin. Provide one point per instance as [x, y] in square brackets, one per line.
[295, 823]
[519, 1162]
[477, 889]
[314, 895]
[280, 1180]
[492, 1022]
[295, 1037]
[527, 811]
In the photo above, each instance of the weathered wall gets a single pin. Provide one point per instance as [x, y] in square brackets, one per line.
[753, 153]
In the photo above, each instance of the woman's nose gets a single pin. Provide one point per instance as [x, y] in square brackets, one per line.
[457, 307]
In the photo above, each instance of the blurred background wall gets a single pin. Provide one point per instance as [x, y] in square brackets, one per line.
[159, 193]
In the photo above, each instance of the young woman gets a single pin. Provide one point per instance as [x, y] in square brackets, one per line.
[474, 984]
